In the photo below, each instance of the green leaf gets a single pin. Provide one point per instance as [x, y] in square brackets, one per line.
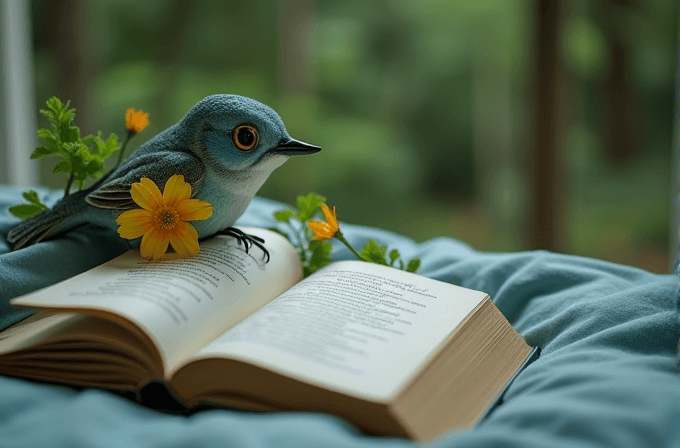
[61, 118]
[394, 254]
[64, 139]
[31, 209]
[81, 156]
[47, 134]
[374, 252]
[308, 206]
[41, 151]
[51, 141]
[50, 116]
[54, 109]
[105, 148]
[94, 168]
[69, 149]
[69, 134]
[319, 257]
[25, 211]
[413, 264]
[63, 166]
[90, 139]
[321, 253]
[59, 114]
[32, 197]
[283, 215]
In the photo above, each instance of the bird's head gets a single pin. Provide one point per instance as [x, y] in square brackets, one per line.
[240, 134]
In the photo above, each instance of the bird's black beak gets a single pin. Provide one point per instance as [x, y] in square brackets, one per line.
[292, 147]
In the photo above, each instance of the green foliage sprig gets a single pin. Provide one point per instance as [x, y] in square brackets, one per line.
[63, 139]
[79, 157]
[310, 240]
[377, 253]
[32, 208]
[313, 254]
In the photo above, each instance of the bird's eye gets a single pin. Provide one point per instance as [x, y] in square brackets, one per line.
[245, 137]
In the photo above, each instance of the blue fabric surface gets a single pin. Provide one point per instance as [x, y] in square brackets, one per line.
[607, 375]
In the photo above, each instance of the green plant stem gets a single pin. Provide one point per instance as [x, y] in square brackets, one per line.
[67, 190]
[304, 241]
[340, 237]
[122, 148]
[303, 250]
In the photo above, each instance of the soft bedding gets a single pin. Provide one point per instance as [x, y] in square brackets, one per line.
[607, 375]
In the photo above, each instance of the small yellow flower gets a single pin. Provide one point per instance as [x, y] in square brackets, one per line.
[136, 121]
[163, 218]
[325, 230]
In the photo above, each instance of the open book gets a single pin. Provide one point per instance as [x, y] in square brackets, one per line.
[395, 353]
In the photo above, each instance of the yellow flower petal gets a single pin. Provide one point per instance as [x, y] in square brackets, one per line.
[154, 244]
[151, 185]
[185, 240]
[134, 223]
[133, 217]
[133, 232]
[320, 227]
[145, 248]
[163, 218]
[136, 121]
[186, 192]
[128, 118]
[176, 190]
[330, 216]
[325, 230]
[194, 210]
[146, 196]
[322, 230]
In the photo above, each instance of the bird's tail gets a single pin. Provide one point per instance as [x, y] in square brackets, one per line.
[34, 230]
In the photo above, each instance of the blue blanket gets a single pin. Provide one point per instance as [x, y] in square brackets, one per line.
[607, 375]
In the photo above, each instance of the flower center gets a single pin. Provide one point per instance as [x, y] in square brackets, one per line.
[167, 218]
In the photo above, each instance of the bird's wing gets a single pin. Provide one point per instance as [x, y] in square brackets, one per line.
[158, 166]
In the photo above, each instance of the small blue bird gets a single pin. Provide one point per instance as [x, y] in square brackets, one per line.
[225, 147]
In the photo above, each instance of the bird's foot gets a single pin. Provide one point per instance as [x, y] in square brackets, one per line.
[247, 240]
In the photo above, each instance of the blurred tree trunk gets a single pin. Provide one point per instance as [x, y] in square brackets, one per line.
[674, 250]
[545, 200]
[174, 31]
[496, 171]
[75, 55]
[296, 71]
[620, 125]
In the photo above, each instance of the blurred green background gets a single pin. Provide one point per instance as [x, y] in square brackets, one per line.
[428, 112]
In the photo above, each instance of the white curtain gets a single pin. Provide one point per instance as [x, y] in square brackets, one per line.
[17, 107]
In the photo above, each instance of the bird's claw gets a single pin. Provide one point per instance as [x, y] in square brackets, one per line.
[247, 240]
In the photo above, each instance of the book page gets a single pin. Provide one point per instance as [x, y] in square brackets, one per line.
[359, 328]
[181, 304]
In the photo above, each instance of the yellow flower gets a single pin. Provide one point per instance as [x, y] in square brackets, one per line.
[163, 218]
[325, 230]
[136, 121]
